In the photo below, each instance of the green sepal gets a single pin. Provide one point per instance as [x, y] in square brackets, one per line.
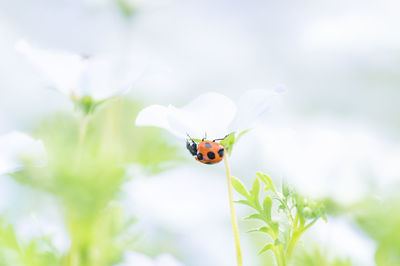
[126, 8]
[228, 143]
[87, 104]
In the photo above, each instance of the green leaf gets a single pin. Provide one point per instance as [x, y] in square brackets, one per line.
[267, 205]
[285, 190]
[255, 194]
[267, 181]
[263, 229]
[275, 227]
[241, 134]
[245, 202]
[254, 216]
[239, 187]
[266, 248]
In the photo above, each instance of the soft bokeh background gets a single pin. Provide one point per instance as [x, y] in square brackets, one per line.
[334, 134]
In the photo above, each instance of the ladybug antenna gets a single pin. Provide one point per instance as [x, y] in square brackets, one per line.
[222, 138]
[189, 137]
[205, 136]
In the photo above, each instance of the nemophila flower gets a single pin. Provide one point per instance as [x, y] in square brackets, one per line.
[87, 80]
[211, 115]
[136, 258]
[18, 149]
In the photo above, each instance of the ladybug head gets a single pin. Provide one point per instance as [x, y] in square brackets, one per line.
[191, 146]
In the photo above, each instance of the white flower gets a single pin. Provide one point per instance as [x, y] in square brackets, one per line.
[340, 238]
[330, 157]
[79, 76]
[211, 113]
[134, 4]
[17, 148]
[139, 259]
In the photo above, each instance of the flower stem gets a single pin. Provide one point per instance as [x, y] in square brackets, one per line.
[292, 243]
[83, 128]
[233, 214]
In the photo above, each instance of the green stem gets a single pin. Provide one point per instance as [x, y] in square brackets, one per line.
[310, 224]
[83, 128]
[292, 243]
[280, 257]
[233, 214]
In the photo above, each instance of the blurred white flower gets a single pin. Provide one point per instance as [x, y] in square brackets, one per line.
[17, 148]
[344, 240]
[44, 224]
[139, 259]
[133, 4]
[211, 114]
[327, 157]
[79, 76]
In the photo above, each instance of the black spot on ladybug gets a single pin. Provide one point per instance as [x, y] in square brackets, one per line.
[221, 152]
[208, 145]
[211, 155]
[200, 156]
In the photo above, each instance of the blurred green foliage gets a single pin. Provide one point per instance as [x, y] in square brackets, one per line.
[87, 159]
[35, 252]
[380, 219]
[283, 234]
[126, 7]
[317, 257]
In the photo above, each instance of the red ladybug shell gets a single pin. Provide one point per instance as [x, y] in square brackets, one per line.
[210, 152]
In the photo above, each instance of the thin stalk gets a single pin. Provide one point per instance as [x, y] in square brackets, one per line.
[278, 251]
[292, 243]
[82, 129]
[233, 214]
[310, 224]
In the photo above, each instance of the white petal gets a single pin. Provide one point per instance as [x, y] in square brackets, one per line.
[62, 69]
[104, 79]
[139, 259]
[157, 116]
[136, 258]
[183, 123]
[167, 260]
[210, 114]
[17, 148]
[252, 106]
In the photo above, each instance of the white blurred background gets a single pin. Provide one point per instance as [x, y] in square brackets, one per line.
[334, 134]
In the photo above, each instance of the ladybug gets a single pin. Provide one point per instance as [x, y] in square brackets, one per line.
[208, 152]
